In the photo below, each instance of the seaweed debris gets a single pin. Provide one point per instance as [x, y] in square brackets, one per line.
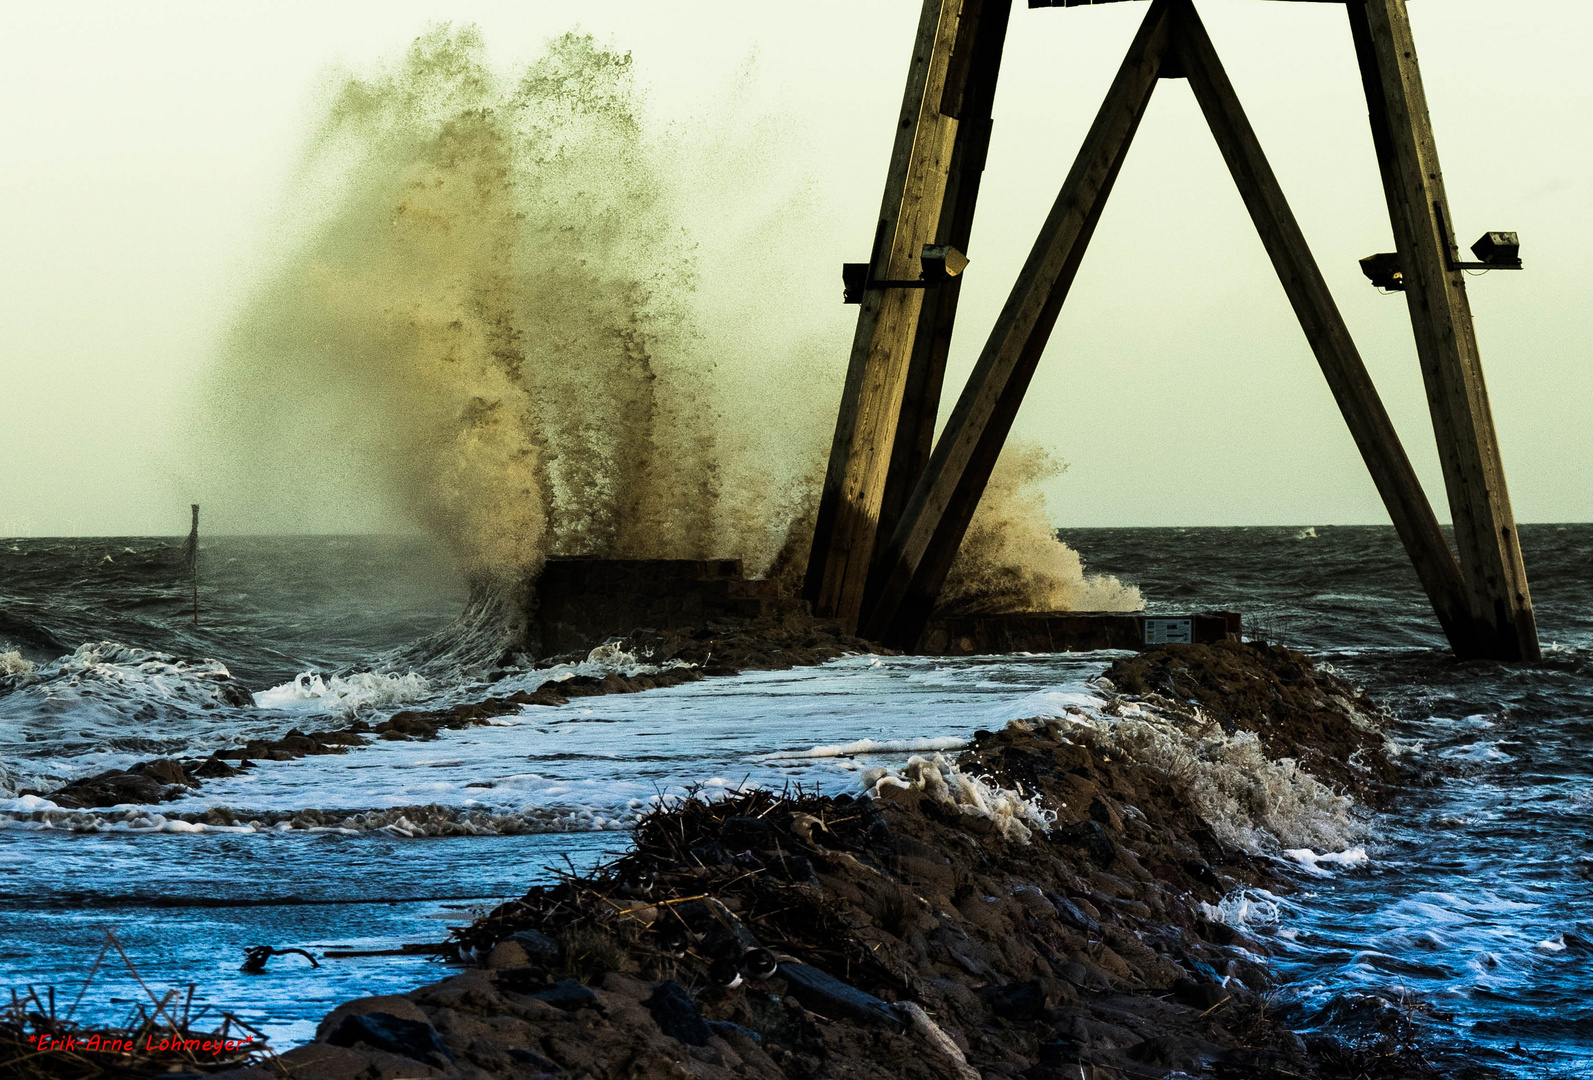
[162, 1038]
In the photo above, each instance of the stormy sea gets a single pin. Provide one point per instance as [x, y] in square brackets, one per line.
[1462, 913]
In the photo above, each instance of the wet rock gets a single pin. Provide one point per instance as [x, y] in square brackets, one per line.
[393, 1034]
[395, 1004]
[677, 1015]
[1015, 1001]
[820, 990]
[1089, 836]
[147, 782]
[567, 994]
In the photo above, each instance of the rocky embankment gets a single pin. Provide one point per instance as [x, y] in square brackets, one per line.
[1046, 907]
[715, 648]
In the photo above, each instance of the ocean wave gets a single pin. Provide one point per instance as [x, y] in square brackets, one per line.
[1015, 816]
[431, 820]
[124, 681]
[1251, 801]
[1317, 865]
[344, 695]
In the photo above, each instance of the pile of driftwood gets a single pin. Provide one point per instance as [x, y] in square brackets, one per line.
[712, 889]
[161, 1037]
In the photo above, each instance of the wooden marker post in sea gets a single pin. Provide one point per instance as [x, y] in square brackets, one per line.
[191, 557]
[893, 513]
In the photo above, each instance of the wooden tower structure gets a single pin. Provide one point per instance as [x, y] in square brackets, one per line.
[896, 503]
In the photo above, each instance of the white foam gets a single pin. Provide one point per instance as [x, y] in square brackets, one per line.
[1251, 801]
[868, 746]
[337, 695]
[1247, 907]
[27, 804]
[1014, 814]
[1318, 864]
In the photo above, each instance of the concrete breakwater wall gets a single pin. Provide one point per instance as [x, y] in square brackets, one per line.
[581, 603]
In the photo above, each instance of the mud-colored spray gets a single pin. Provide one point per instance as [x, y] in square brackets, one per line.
[540, 324]
[1011, 559]
[493, 316]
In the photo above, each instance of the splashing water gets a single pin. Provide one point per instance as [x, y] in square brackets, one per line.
[1011, 559]
[525, 315]
[492, 317]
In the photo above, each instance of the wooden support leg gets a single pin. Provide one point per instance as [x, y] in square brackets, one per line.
[1499, 600]
[1324, 328]
[926, 370]
[865, 431]
[925, 542]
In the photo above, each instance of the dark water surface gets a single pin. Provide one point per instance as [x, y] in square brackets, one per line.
[1473, 912]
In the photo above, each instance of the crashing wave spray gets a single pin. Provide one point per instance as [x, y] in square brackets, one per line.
[543, 328]
[491, 315]
[1011, 559]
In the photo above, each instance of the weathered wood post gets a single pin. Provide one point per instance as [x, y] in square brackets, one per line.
[1500, 603]
[1324, 327]
[876, 376]
[970, 95]
[921, 550]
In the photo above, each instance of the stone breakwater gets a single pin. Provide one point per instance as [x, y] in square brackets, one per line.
[1048, 906]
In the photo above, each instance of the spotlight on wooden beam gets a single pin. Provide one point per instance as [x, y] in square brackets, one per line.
[943, 262]
[1383, 271]
[1500, 250]
[940, 262]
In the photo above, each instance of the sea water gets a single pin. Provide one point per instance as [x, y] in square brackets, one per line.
[1466, 906]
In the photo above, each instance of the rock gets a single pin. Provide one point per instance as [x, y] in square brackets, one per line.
[825, 992]
[394, 1004]
[538, 946]
[568, 994]
[395, 1035]
[213, 767]
[507, 954]
[322, 1061]
[1015, 1001]
[1199, 995]
[1073, 915]
[1091, 838]
[677, 1015]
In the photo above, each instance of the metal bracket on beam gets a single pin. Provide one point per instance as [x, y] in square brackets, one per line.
[940, 264]
[1497, 250]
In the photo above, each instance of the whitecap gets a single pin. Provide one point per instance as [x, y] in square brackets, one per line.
[312, 692]
[1317, 865]
[867, 746]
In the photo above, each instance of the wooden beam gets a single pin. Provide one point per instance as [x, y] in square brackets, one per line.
[1324, 327]
[925, 542]
[865, 432]
[977, 62]
[1499, 599]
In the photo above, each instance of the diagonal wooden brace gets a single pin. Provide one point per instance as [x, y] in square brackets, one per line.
[1324, 327]
[921, 550]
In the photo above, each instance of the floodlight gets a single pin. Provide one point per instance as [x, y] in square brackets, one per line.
[1499, 250]
[1383, 270]
[942, 262]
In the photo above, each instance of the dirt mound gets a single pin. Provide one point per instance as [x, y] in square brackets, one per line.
[1298, 709]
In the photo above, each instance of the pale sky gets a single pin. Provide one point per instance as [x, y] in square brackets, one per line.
[148, 147]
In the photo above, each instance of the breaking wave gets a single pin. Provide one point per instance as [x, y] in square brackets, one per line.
[1252, 802]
